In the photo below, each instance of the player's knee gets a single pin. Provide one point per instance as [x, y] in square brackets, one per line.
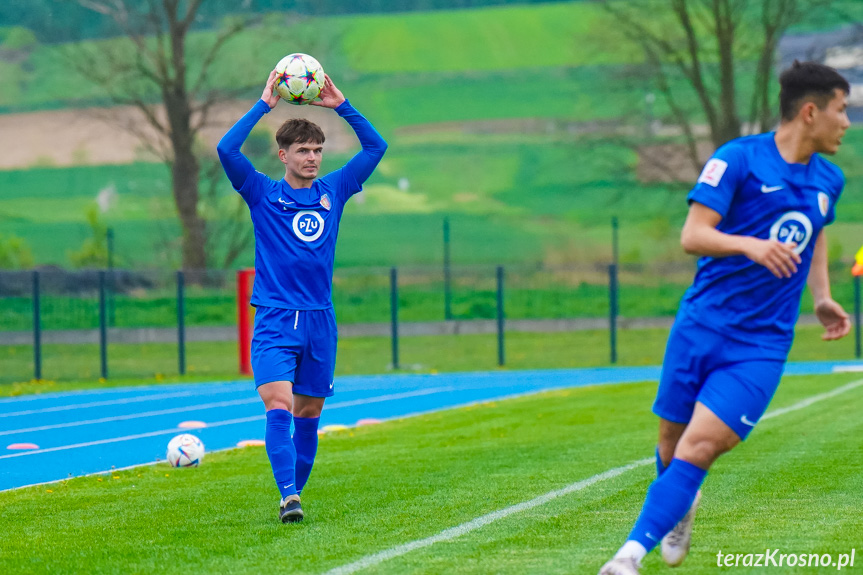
[307, 413]
[277, 404]
[701, 452]
[309, 407]
[277, 401]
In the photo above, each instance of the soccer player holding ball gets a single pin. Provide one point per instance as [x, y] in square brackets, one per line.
[757, 216]
[296, 221]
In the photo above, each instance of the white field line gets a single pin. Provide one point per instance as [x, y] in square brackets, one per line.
[810, 400]
[382, 398]
[464, 528]
[847, 368]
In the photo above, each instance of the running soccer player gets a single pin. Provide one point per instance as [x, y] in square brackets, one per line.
[757, 215]
[296, 221]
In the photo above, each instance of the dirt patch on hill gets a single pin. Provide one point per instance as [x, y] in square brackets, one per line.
[95, 136]
[670, 162]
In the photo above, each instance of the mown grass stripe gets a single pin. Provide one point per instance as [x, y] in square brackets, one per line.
[464, 528]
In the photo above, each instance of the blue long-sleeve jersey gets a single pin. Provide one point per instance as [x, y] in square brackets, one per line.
[296, 229]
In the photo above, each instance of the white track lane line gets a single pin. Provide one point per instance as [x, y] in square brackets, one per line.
[134, 415]
[212, 406]
[135, 399]
[382, 398]
[464, 528]
[238, 384]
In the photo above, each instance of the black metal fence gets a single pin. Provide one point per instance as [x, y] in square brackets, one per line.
[58, 324]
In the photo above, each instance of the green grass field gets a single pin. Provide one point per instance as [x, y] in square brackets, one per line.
[381, 487]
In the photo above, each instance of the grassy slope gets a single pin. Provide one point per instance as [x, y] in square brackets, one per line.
[560, 34]
[504, 38]
[374, 488]
[575, 187]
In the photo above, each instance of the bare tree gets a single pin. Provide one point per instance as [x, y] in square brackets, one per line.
[711, 44]
[150, 68]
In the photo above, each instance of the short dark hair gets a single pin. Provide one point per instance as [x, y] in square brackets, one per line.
[299, 130]
[808, 81]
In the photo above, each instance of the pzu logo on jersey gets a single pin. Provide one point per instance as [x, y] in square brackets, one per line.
[792, 227]
[308, 225]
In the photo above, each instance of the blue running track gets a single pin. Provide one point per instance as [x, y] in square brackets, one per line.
[84, 432]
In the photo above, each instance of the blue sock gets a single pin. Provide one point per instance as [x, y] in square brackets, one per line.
[660, 466]
[306, 444]
[668, 499]
[280, 450]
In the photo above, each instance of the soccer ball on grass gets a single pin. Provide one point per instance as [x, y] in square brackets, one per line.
[300, 79]
[185, 450]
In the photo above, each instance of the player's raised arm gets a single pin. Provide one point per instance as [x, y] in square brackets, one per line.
[236, 165]
[363, 164]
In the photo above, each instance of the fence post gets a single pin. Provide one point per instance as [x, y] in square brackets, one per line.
[103, 325]
[109, 240]
[857, 317]
[394, 315]
[181, 322]
[500, 317]
[612, 310]
[447, 278]
[37, 329]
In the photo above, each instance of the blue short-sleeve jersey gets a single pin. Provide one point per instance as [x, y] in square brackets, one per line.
[759, 194]
[296, 229]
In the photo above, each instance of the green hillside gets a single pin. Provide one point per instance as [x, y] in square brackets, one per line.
[524, 41]
[495, 117]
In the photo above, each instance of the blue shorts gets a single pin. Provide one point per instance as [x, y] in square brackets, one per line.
[295, 346]
[733, 379]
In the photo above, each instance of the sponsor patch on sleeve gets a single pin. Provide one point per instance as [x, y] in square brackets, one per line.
[712, 172]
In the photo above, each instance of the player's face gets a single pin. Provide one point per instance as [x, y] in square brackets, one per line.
[830, 124]
[303, 160]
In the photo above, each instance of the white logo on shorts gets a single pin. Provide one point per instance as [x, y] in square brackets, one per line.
[308, 225]
[745, 421]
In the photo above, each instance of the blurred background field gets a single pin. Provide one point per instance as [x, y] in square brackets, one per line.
[527, 127]
[523, 123]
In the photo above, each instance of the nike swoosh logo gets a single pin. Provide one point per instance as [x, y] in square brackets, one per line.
[745, 421]
[284, 202]
[331, 386]
[288, 485]
[767, 190]
[651, 537]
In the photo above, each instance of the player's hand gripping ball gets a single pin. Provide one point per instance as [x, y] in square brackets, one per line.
[185, 450]
[300, 79]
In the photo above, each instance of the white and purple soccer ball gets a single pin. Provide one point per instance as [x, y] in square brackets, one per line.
[185, 450]
[300, 79]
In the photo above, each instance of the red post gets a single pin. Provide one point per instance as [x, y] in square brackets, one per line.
[245, 278]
